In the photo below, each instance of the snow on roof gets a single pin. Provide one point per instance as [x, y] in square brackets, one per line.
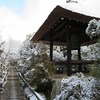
[80, 8]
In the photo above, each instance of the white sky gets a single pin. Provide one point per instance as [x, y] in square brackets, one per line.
[16, 26]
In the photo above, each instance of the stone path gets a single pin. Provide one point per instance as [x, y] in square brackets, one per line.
[12, 89]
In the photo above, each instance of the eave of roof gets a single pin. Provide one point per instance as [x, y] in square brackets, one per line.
[55, 15]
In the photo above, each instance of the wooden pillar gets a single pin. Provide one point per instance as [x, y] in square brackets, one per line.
[69, 65]
[79, 58]
[51, 50]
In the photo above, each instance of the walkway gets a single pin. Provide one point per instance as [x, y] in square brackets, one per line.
[12, 89]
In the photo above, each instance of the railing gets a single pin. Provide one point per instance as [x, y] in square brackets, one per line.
[26, 83]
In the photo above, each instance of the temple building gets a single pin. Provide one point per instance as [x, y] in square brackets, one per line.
[64, 27]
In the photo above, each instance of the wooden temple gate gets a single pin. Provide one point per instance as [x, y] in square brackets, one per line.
[65, 28]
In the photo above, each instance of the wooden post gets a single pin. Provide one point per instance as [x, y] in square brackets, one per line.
[51, 50]
[79, 58]
[69, 65]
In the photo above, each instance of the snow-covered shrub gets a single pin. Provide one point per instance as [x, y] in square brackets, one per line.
[44, 70]
[58, 54]
[93, 28]
[36, 67]
[78, 87]
[29, 74]
[43, 82]
[26, 55]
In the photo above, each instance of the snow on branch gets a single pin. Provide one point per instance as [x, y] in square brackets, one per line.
[93, 28]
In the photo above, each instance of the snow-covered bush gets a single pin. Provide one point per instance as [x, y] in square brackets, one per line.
[35, 66]
[78, 87]
[91, 52]
[44, 70]
[58, 54]
[26, 55]
[29, 74]
[93, 28]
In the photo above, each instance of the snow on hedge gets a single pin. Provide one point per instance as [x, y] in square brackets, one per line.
[78, 87]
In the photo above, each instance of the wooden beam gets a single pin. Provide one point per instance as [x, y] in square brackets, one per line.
[69, 65]
[79, 58]
[92, 41]
[83, 62]
[60, 27]
[51, 49]
[77, 62]
[73, 29]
